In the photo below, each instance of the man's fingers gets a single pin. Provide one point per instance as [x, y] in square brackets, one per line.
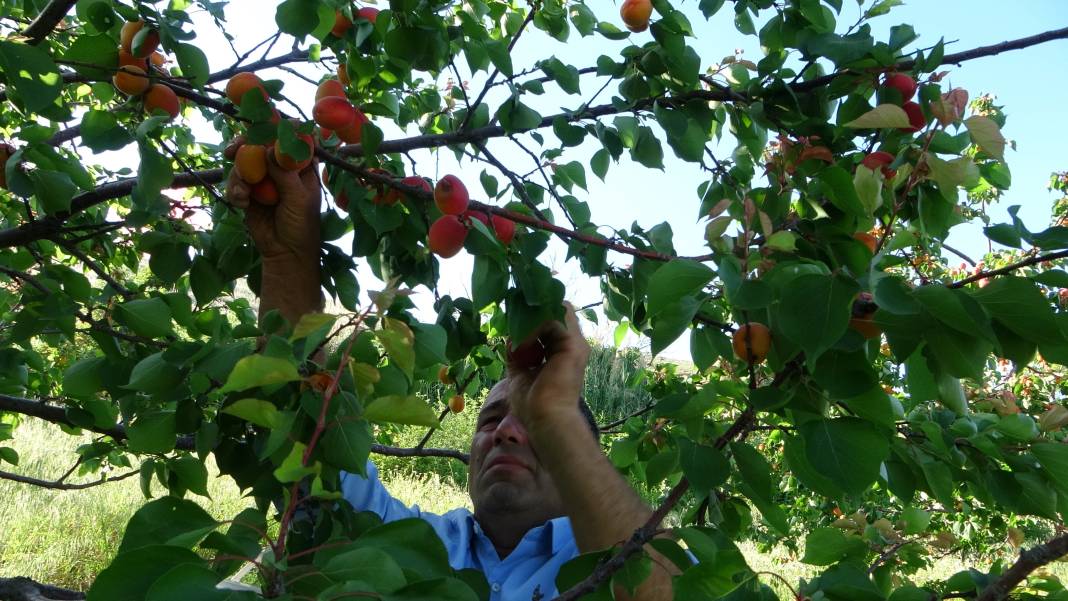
[288, 182]
[237, 191]
[231, 148]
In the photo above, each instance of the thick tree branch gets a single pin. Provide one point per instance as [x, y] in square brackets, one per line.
[1029, 561]
[47, 20]
[24, 589]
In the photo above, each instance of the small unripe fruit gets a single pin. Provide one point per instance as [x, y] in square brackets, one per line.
[369, 13]
[289, 163]
[251, 163]
[163, 98]
[916, 119]
[456, 403]
[241, 83]
[353, 133]
[527, 355]
[265, 192]
[868, 240]
[635, 14]
[903, 84]
[504, 228]
[751, 342]
[334, 112]
[330, 87]
[341, 25]
[131, 80]
[414, 181]
[446, 236]
[451, 195]
[443, 375]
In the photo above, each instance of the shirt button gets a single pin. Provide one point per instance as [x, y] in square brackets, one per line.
[496, 587]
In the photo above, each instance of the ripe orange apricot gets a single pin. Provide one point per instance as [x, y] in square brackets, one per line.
[319, 381]
[353, 133]
[241, 83]
[6, 150]
[443, 375]
[329, 87]
[162, 97]
[343, 75]
[751, 342]
[126, 35]
[868, 240]
[289, 163]
[334, 112]
[384, 195]
[131, 80]
[447, 236]
[128, 60]
[144, 44]
[341, 24]
[265, 192]
[861, 319]
[635, 14]
[456, 403]
[450, 194]
[157, 59]
[251, 163]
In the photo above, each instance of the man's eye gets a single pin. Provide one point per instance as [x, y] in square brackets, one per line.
[489, 421]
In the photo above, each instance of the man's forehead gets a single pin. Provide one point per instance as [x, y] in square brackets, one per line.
[498, 395]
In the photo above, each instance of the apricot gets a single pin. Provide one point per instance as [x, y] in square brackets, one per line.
[504, 228]
[334, 112]
[128, 60]
[751, 342]
[902, 83]
[289, 163]
[916, 119]
[131, 80]
[127, 33]
[369, 13]
[877, 160]
[414, 181]
[163, 98]
[265, 192]
[384, 195]
[456, 403]
[443, 375]
[353, 133]
[241, 83]
[341, 24]
[868, 240]
[251, 163]
[480, 215]
[157, 60]
[319, 381]
[144, 43]
[861, 320]
[329, 87]
[446, 236]
[343, 75]
[635, 14]
[451, 196]
[527, 355]
[6, 150]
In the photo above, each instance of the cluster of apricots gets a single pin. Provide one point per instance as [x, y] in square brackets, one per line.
[137, 58]
[906, 87]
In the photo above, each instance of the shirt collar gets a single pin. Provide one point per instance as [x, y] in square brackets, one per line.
[556, 532]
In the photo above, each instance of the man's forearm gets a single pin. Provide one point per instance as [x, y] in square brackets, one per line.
[291, 286]
[604, 509]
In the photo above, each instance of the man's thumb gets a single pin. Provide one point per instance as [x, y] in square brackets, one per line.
[287, 181]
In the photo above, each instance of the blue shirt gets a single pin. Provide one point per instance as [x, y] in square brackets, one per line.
[531, 567]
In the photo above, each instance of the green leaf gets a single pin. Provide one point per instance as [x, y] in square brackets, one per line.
[154, 375]
[705, 467]
[82, 378]
[260, 370]
[187, 581]
[205, 280]
[489, 281]
[153, 432]
[101, 131]
[825, 546]
[516, 116]
[987, 135]
[847, 450]
[53, 189]
[647, 149]
[838, 185]
[148, 317]
[414, 545]
[398, 340]
[298, 18]
[193, 62]
[400, 409]
[670, 323]
[815, 310]
[192, 474]
[347, 444]
[255, 411]
[292, 468]
[366, 564]
[1021, 307]
[675, 279]
[1053, 457]
[132, 573]
[31, 76]
[430, 343]
[884, 116]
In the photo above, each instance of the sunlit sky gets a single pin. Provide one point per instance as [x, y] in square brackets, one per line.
[1029, 83]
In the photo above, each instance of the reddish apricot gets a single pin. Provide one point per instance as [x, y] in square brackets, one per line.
[456, 403]
[341, 24]
[369, 13]
[157, 60]
[289, 163]
[451, 195]
[903, 84]
[527, 355]
[414, 181]
[241, 83]
[353, 133]
[144, 43]
[916, 119]
[6, 150]
[447, 236]
[635, 14]
[384, 194]
[334, 112]
[504, 228]
[329, 87]
[480, 215]
[877, 160]
[128, 60]
[127, 33]
[265, 192]
[131, 80]
[162, 98]
[251, 163]
[443, 375]
[868, 240]
[751, 342]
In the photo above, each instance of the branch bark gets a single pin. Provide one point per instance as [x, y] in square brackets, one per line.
[47, 20]
[24, 589]
[1029, 561]
[59, 485]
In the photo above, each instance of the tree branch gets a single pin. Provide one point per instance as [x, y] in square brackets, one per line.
[60, 485]
[1029, 561]
[1008, 268]
[24, 589]
[47, 20]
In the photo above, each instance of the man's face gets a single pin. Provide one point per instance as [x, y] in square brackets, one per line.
[504, 474]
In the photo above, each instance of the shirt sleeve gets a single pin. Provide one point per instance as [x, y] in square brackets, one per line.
[368, 494]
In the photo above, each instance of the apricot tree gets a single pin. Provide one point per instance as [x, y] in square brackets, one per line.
[881, 403]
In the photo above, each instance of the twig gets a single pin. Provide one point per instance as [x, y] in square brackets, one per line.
[60, 485]
[489, 81]
[1009, 268]
[97, 269]
[958, 253]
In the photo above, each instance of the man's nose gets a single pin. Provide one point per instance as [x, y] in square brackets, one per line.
[509, 429]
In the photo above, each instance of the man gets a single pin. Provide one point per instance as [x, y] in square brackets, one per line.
[541, 488]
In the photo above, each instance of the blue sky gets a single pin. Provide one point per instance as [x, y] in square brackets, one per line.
[1030, 83]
